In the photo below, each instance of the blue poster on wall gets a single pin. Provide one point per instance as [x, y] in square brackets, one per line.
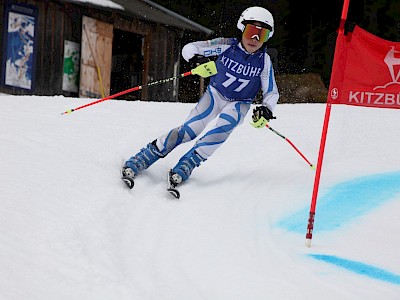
[19, 46]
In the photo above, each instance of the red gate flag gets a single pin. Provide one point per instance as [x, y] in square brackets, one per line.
[366, 72]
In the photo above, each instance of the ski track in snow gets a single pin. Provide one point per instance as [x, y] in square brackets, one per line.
[71, 230]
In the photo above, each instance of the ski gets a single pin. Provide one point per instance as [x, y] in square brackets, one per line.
[171, 188]
[128, 181]
[127, 176]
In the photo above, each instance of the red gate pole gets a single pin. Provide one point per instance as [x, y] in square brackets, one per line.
[310, 226]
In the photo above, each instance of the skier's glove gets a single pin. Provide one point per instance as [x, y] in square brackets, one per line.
[261, 116]
[199, 60]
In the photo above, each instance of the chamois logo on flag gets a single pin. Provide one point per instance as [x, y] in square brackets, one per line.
[366, 71]
[393, 64]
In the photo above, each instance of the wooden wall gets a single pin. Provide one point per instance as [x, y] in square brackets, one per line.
[58, 21]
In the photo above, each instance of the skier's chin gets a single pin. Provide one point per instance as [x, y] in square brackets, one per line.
[252, 48]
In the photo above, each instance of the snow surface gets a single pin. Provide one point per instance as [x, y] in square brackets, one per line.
[71, 230]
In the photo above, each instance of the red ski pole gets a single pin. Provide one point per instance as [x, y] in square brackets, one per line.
[291, 144]
[204, 70]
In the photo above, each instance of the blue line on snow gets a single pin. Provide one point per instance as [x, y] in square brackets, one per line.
[345, 202]
[359, 268]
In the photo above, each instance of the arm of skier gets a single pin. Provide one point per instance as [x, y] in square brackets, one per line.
[268, 85]
[206, 48]
[263, 114]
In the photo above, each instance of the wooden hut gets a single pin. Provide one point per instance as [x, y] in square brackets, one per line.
[92, 50]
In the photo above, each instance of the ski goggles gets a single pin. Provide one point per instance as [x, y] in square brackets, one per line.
[252, 31]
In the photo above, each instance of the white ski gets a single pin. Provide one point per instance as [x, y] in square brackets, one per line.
[171, 188]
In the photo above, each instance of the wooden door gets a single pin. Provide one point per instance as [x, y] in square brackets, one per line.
[96, 58]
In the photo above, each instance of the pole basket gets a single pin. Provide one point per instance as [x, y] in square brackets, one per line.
[310, 228]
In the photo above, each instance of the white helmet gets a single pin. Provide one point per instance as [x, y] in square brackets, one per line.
[256, 13]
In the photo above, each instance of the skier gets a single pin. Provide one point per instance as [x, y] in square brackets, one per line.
[244, 68]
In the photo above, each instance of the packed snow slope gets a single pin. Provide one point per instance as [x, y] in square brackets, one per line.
[70, 229]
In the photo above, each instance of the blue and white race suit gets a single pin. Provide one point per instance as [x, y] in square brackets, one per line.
[229, 95]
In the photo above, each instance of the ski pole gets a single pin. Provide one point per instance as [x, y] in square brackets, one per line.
[291, 144]
[205, 70]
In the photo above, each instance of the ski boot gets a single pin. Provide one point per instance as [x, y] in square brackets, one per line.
[141, 161]
[181, 172]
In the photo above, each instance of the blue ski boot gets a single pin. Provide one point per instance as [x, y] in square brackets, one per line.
[141, 161]
[185, 166]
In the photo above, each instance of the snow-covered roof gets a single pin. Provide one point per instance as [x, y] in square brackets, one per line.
[103, 3]
[149, 11]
